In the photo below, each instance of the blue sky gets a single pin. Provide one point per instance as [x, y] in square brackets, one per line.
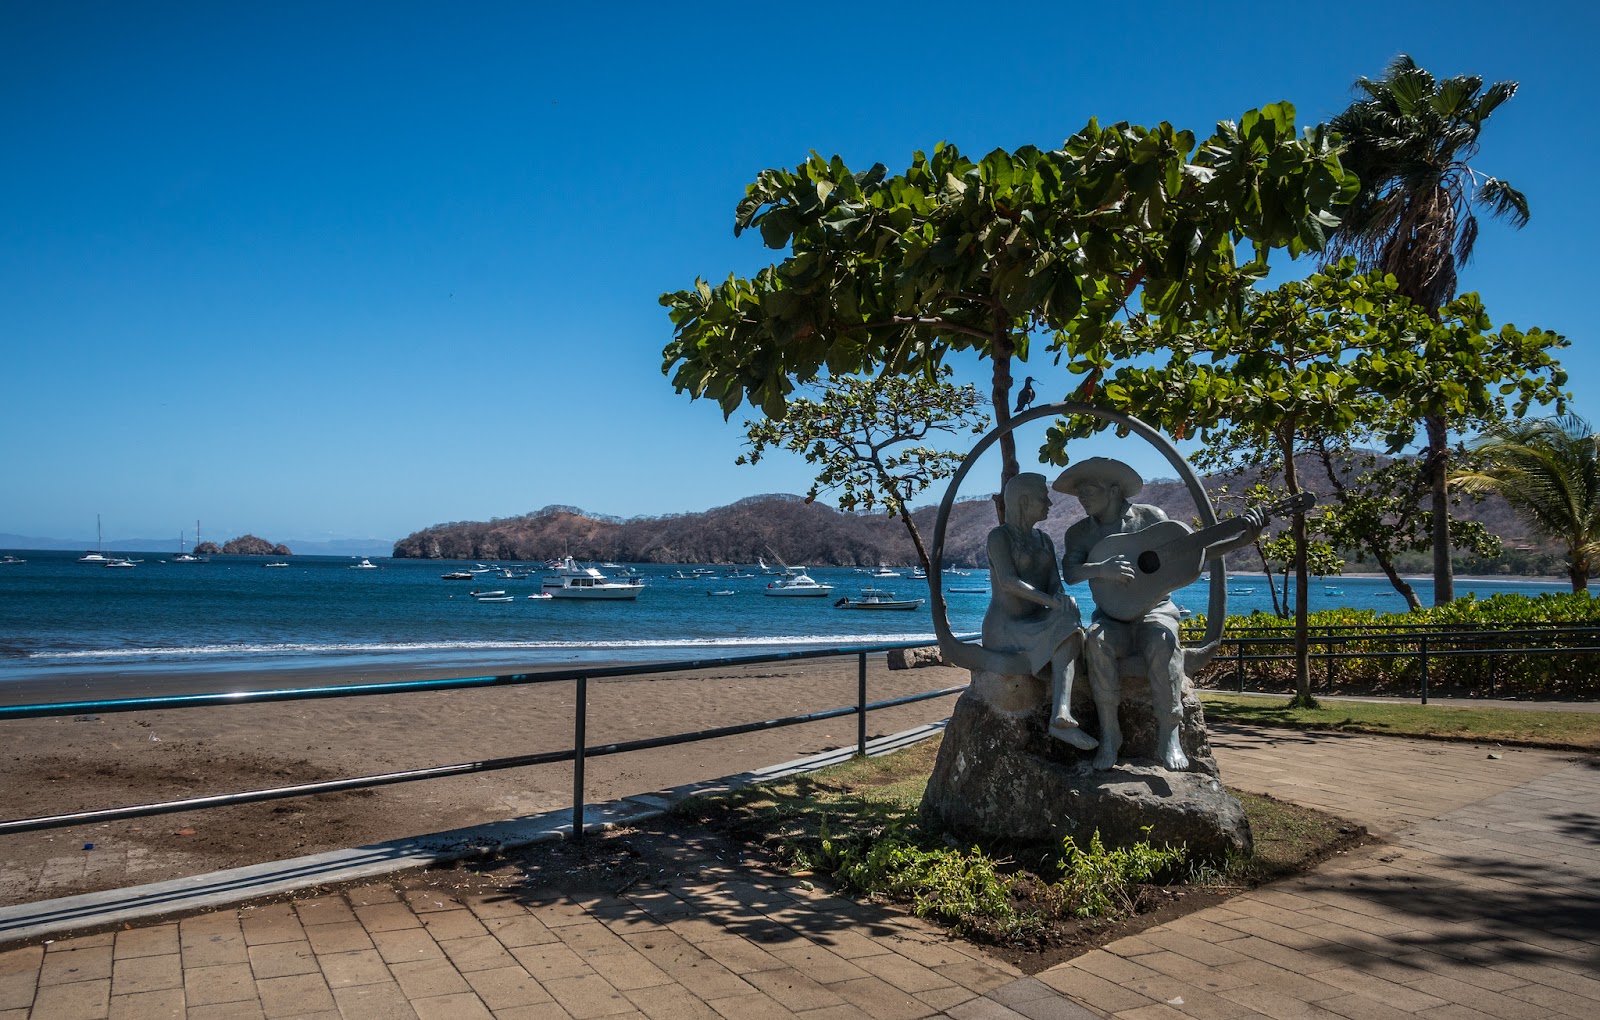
[348, 270]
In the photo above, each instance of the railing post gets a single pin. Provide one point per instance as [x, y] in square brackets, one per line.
[861, 704]
[1238, 669]
[580, 726]
[1424, 669]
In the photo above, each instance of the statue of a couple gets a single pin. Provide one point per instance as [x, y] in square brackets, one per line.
[1030, 612]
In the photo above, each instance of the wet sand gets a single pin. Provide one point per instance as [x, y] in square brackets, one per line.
[66, 764]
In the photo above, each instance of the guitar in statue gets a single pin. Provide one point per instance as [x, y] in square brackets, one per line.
[1167, 556]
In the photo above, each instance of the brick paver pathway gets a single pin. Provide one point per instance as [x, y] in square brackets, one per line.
[1483, 901]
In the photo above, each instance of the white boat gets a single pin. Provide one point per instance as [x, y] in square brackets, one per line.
[8, 558]
[486, 594]
[958, 573]
[280, 564]
[99, 554]
[724, 591]
[497, 598]
[885, 572]
[679, 575]
[365, 564]
[968, 591]
[456, 575]
[120, 564]
[737, 574]
[918, 574]
[877, 602]
[571, 581]
[608, 565]
[761, 564]
[797, 584]
[541, 595]
[183, 555]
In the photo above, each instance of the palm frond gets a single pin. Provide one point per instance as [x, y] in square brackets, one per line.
[1504, 201]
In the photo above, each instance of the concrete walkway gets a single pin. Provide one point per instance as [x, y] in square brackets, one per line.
[1483, 901]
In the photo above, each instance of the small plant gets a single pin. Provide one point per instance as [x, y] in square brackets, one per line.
[959, 888]
[1096, 882]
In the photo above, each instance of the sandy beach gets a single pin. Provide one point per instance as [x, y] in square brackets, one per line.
[68, 764]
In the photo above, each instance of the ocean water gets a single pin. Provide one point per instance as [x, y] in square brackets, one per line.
[61, 618]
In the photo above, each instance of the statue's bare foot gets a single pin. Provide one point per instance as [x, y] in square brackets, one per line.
[1107, 756]
[1072, 733]
[1172, 755]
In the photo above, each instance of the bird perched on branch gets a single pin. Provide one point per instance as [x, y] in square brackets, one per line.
[1025, 397]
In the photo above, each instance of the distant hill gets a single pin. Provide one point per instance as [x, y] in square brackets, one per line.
[784, 528]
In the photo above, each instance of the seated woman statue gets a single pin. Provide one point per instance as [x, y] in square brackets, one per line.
[1030, 613]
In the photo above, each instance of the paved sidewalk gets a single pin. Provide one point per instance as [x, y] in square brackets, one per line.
[1483, 902]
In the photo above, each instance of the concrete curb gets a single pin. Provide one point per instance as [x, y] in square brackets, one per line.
[28, 921]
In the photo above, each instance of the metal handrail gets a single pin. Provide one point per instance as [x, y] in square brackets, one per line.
[577, 754]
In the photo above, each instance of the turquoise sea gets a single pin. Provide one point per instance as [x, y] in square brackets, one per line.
[62, 618]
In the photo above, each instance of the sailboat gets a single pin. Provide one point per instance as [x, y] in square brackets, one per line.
[184, 557]
[99, 553]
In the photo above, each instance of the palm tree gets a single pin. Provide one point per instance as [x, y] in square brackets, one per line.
[1548, 469]
[1409, 137]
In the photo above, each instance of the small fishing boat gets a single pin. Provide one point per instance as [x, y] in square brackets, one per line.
[918, 574]
[1241, 591]
[541, 595]
[737, 574]
[8, 559]
[486, 594]
[280, 564]
[498, 598]
[718, 594]
[456, 575]
[877, 602]
[119, 564]
[365, 564]
[883, 572]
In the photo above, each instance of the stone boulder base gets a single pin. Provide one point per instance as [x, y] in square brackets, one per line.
[1000, 777]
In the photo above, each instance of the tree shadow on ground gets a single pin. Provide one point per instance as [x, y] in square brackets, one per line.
[681, 873]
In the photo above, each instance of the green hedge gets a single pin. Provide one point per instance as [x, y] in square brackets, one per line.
[1537, 673]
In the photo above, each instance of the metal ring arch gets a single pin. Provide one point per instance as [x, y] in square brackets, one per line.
[963, 654]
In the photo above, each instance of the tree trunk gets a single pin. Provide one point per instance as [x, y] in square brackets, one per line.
[1400, 584]
[1000, 398]
[1444, 582]
[1302, 579]
[916, 540]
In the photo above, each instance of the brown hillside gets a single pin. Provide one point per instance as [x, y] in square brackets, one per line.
[786, 529]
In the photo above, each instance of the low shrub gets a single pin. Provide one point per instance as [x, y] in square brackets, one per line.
[1526, 665]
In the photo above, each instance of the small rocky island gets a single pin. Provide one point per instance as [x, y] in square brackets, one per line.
[244, 545]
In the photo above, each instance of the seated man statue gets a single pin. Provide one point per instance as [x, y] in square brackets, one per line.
[1030, 613]
[1104, 487]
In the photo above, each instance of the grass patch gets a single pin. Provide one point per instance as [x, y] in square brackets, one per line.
[856, 825]
[1527, 727]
